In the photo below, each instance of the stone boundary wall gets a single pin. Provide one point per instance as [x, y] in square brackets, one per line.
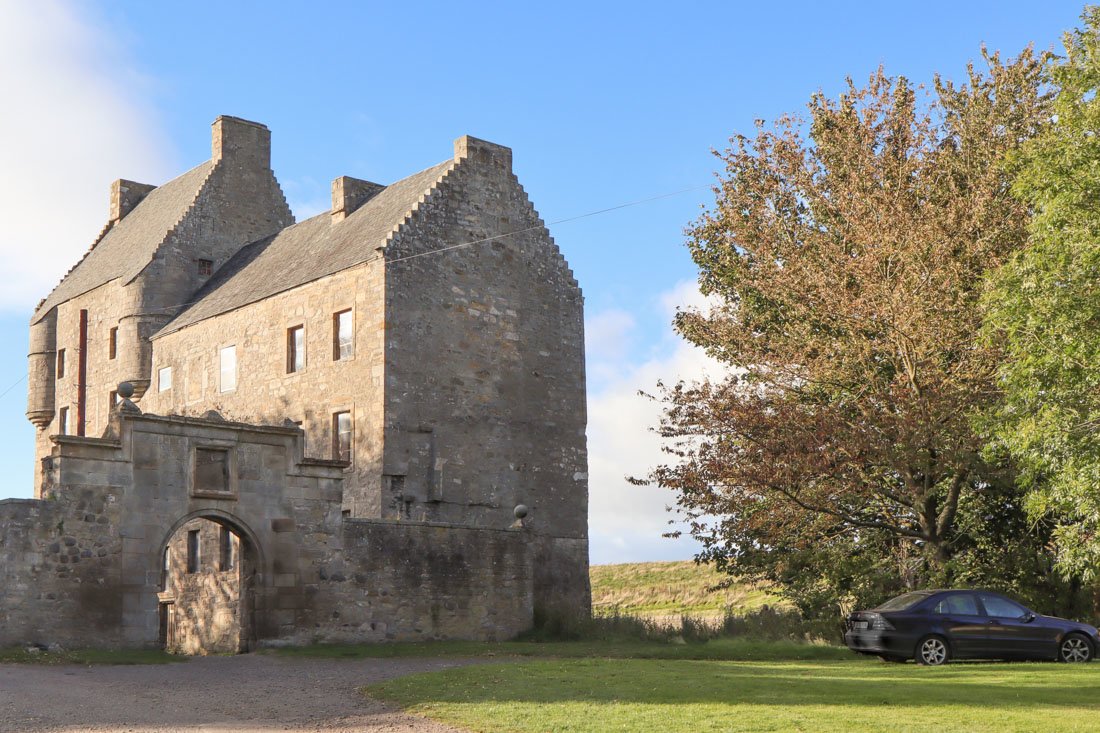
[83, 566]
[405, 581]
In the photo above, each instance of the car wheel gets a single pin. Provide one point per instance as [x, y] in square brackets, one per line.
[892, 658]
[1075, 648]
[932, 651]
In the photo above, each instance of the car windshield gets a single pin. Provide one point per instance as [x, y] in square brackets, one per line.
[902, 602]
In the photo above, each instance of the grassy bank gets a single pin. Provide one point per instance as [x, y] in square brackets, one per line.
[671, 589]
[695, 695]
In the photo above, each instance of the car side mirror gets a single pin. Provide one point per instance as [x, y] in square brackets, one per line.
[1029, 617]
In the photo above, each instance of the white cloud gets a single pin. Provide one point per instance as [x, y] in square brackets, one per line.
[74, 120]
[626, 521]
[608, 336]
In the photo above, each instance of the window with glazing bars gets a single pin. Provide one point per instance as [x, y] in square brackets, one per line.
[343, 345]
[341, 436]
[295, 349]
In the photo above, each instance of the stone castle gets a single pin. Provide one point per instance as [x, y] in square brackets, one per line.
[365, 426]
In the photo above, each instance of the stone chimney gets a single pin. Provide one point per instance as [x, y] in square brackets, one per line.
[125, 195]
[241, 142]
[348, 194]
[482, 151]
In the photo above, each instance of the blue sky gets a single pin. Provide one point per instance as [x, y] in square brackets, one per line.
[602, 103]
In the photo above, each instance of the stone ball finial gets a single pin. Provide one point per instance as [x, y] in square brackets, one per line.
[520, 511]
[125, 390]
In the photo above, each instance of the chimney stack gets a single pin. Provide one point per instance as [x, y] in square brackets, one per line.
[483, 151]
[125, 195]
[348, 194]
[241, 142]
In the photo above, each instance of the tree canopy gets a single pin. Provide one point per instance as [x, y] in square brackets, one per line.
[847, 253]
[1044, 311]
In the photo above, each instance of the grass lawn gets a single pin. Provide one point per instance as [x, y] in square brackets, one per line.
[19, 655]
[671, 588]
[854, 694]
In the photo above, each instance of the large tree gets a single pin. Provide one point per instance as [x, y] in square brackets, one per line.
[1045, 311]
[846, 253]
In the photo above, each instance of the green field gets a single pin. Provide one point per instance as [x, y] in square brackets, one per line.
[692, 695]
[671, 588]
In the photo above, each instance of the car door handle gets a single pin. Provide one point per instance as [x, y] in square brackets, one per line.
[994, 622]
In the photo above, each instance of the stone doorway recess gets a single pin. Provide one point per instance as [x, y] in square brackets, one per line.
[207, 586]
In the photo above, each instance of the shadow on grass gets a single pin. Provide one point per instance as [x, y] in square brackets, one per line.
[694, 682]
[719, 649]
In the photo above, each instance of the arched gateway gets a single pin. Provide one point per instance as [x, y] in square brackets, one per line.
[211, 565]
[203, 535]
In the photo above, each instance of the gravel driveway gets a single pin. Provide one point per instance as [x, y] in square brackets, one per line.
[252, 692]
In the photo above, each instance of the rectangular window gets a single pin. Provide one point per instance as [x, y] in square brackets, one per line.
[295, 349]
[206, 268]
[227, 359]
[226, 557]
[112, 343]
[341, 436]
[342, 340]
[211, 470]
[112, 400]
[164, 379]
[193, 551]
[60, 363]
[63, 421]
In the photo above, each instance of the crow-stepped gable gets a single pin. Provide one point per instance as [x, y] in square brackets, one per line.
[367, 425]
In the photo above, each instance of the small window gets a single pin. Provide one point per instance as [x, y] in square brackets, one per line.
[112, 343]
[206, 268]
[227, 559]
[295, 349]
[60, 363]
[112, 400]
[341, 436]
[211, 470]
[228, 367]
[342, 340]
[962, 604]
[193, 551]
[63, 421]
[164, 379]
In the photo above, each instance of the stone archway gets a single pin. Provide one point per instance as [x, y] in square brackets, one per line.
[208, 582]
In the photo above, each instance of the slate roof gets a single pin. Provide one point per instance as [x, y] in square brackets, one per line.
[307, 251]
[128, 246]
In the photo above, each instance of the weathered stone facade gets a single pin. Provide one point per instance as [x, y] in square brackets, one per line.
[427, 336]
[85, 565]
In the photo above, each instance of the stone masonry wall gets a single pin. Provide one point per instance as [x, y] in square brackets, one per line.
[266, 393]
[83, 566]
[485, 384]
[398, 581]
[240, 201]
[204, 613]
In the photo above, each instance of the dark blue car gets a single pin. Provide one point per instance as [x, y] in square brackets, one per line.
[935, 626]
